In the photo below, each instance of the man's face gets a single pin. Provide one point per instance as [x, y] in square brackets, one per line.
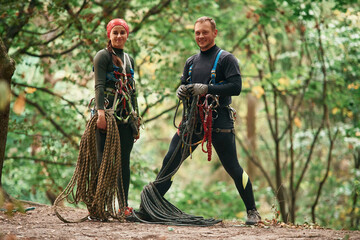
[205, 35]
[118, 37]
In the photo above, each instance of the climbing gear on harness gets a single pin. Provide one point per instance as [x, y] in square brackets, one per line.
[94, 185]
[129, 111]
[206, 110]
[232, 112]
[124, 107]
[92, 106]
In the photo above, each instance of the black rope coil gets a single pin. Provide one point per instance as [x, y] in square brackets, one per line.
[155, 207]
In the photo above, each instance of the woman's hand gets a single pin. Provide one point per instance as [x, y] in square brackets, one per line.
[101, 121]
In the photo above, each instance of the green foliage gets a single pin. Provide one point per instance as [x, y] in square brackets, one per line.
[54, 42]
[220, 200]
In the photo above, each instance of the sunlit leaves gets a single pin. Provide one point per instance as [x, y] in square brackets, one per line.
[297, 122]
[19, 105]
[257, 91]
[30, 90]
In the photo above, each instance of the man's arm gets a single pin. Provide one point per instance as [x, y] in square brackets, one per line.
[231, 87]
[232, 82]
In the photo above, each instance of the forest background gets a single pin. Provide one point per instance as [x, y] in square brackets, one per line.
[297, 125]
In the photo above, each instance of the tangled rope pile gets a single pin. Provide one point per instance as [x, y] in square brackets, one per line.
[156, 207]
[94, 185]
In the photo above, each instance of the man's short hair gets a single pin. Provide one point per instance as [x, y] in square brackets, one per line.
[204, 19]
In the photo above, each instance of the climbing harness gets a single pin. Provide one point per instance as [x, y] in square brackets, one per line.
[94, 185]
[125, 107]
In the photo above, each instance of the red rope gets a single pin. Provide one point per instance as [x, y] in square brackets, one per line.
[207, 126]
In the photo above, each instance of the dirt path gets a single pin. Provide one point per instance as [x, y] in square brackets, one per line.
[42, 223]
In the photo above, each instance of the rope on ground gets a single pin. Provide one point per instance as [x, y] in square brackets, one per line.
[155, 206]
[94, 185]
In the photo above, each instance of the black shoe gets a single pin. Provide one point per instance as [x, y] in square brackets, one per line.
[253, 217]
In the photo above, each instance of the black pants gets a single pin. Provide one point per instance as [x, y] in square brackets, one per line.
[126, 142]
[224, 144]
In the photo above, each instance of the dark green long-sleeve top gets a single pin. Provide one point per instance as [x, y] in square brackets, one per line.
[102, 65]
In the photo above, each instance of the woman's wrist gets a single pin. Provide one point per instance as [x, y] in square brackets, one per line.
[101, 112]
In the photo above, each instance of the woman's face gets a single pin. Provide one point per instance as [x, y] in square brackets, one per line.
[118, 37]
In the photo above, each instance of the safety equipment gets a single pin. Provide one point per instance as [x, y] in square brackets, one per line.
[182, 91]
[125, 107]
[116, 22]
[213, 70]
[92, 184]
[197, 89]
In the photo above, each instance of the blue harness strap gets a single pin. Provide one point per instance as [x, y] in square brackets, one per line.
[213, 70]
[110, 76]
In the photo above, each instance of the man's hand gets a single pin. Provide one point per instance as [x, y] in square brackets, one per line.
[197, 89]
[182, 91]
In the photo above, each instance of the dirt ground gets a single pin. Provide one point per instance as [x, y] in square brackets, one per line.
[42, 223]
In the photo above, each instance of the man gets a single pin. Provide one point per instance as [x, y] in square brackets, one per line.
[227, 83]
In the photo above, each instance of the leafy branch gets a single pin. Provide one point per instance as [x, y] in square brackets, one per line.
[52, 121]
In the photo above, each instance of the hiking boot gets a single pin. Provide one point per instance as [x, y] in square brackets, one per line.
[253, 217]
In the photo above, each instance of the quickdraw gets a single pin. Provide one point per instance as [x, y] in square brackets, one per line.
[206, 112]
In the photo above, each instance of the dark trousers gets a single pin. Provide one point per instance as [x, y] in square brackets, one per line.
[126, 142]
[224, 144]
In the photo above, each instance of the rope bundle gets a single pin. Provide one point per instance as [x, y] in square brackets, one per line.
[95, 185]
[157, 208]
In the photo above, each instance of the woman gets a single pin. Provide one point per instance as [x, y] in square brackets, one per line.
[115, 93]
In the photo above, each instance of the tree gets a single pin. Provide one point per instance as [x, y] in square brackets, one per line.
[291, 56]
[7, 68]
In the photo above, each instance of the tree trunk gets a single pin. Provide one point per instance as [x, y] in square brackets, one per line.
[7, 68]
[251, 132]
[355, 218]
